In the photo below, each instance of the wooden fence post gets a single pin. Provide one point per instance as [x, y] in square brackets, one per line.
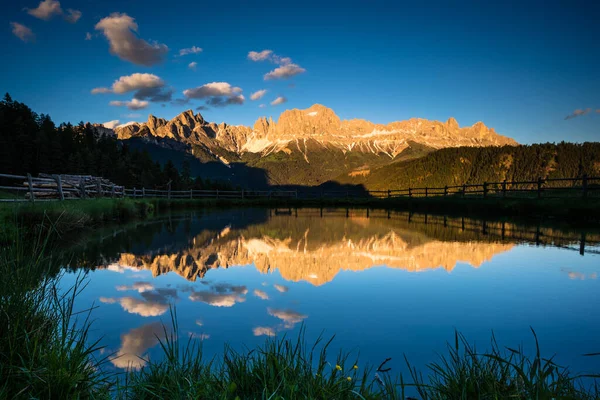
[539, 188]
[584, 184]
[99, 188]
[59, 187]
[464, 191]
[409, 192]
[81, 188]
[425, 191]
[134, 192]
[389, 193]
[169, 191]
[31, 196]
[112, 191]
[143, 192]
[504, 188]
[217, 193]
[296, 193]
[242, 193]
[485, 189]
[191, 193]
[445, 191]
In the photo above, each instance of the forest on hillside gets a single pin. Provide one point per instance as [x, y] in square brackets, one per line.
[475, 165]
[32, 143]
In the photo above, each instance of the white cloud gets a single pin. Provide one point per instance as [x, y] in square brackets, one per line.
[46, 10]
[258, 94]
[193, 65]
[226, 101]
[147, 86]
[268, 55]
[217, 299]
[136, 81]
[190, 50]
[286, 68]
[290, 317]
[262, 105]
[88, 36]
[111, 124]
[263, 331]
[155, 302]
[133, 104]
[579, 113]
[261, 293]
[211, 90]
[222, 295]
[281, 288]
[73, 15]
[284, 72]
[281, 60]
[101, 90]
[217, 94]
[260, 55]
[199, 322]
[135, 343]
[137, 286]
[22, 32]
[143, 308]
[199, 336]
[138, 306]
[278, 101]
[120, 31]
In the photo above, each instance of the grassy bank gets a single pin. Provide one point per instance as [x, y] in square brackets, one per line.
[74, 215]
[33, 219]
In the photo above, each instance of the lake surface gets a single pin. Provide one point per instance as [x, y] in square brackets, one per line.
[385, 283]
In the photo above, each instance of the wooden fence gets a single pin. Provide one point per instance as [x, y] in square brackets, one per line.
[541, 188]
[62, 187]
[47, 187]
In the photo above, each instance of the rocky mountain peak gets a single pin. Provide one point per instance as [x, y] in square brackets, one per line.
[452, 123]
[318, 123]
[317, 120]
[188, 118]
[155, 123]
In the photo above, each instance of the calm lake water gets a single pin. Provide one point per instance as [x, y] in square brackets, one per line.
[386, 284]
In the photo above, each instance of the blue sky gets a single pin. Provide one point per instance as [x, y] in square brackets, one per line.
[519, 68]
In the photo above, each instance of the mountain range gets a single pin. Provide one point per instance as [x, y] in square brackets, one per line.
[303, 147]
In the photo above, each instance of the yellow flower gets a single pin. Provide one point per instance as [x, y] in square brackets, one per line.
[349, 379]
[355, 367]
[338, 367]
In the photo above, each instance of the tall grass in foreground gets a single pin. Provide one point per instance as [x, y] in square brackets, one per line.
[280, 369]
[499, 374]
[289, 369]
[44, 350]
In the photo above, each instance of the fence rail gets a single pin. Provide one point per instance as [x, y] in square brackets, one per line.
[70, 187]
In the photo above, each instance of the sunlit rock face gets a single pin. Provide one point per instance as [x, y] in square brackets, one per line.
[307, 249]
[317, 123]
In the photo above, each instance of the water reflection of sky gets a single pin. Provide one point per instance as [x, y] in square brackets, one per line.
[382, 311]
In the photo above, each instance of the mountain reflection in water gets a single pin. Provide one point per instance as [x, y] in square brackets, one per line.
[311, 245]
